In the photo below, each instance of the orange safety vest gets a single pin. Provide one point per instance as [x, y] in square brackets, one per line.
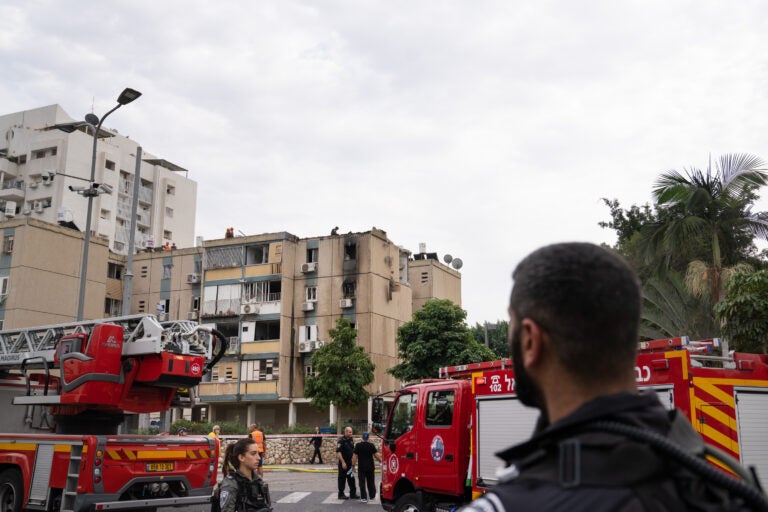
[258, 436]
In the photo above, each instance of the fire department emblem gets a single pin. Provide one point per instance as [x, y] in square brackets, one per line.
[393, 464]
[437, 448]
[195, 369]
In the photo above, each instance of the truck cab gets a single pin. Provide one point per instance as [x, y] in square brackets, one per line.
[426, 445]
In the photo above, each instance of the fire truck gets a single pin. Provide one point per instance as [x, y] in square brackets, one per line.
[440, 436]
[72, 385]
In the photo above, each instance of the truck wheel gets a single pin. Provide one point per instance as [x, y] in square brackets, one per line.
[11, 491]
[408, 503]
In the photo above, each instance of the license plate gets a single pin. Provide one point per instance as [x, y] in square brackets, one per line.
[160, 466]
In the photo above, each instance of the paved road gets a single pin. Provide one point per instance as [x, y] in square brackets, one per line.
[307, 490]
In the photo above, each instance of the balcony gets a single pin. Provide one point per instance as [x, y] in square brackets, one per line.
[214, 390]
[145, 195]
[12, 191]
[224, 307]
[9, 168]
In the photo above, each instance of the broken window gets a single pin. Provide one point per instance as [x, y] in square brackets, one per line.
[223, 257]
[348, 289]
[260, 369]
[269, 330]
[350, 250]
[257, 254]
[262, 291]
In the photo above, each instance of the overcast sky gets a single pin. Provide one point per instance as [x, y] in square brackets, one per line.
[483, 128]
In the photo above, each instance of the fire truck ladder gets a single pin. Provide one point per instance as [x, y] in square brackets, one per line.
[73, 474]
[35, 347]
[143, 334]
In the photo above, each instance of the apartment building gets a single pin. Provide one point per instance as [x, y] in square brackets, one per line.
[274, 296]
[44, 151]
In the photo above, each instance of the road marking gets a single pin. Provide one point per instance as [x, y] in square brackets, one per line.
[333, 499]
[294, 497]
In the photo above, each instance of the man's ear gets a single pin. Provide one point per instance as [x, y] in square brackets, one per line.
[532, 342]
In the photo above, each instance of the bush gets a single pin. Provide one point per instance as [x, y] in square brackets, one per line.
[298, 429]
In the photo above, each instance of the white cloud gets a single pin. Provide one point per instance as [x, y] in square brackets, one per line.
[484, 129]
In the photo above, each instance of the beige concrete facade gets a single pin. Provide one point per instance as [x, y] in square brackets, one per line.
[44, 151]
[274, 296]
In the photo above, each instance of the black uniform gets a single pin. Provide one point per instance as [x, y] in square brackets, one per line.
[346, 448]
[568, 467]
[365, 468]
[317, 442]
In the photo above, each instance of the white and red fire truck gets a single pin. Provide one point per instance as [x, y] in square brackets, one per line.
[440, 435]
[71, 385]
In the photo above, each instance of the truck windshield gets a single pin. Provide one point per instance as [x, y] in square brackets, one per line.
[402, 416]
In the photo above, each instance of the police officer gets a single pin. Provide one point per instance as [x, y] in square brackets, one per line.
[345, 449]
[242, 489]
[574, 317]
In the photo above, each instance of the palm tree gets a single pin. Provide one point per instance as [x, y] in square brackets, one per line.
[709, 218]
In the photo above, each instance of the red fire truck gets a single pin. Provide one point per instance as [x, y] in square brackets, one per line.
[441, 435]
[72, 384]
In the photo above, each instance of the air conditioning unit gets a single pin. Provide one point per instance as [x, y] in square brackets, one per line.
[193, 278]
[26, 211]
[47, 179]
[309, 267]
[345, 303]
[10, 208]
[193, 315]
[317, 344]
[307, 306]
[249, 309]
[305, 346]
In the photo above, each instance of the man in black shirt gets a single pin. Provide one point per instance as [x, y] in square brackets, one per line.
[317, 442]
[344, 451]
[365, 451]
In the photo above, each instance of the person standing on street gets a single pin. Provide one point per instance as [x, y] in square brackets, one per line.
[345, 449]
[257, 435]
[365, 452]
[317, 442]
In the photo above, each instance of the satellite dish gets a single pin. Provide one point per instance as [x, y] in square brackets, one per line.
[92, 119]
[447, 258]
[457, 263]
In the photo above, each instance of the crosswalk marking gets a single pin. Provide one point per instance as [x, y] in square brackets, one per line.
[332, 498]
[294, 497]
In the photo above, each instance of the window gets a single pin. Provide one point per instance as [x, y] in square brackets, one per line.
[195, 303]
[169, 212]
[402, 416]
[113, 307]
[348, 289]
[114, 271]
[309, 371]
[312, 255]
[262, 291]
[118, 246]
[198, 266]
[168, 235]
[307, 333]
[167, 269]
[2, 324]
[170, 190]
[267, 330]
[109, 164]
[257, 254]
[22, 159]
[311, 293]
[440, 408]
[260, 370]
[350, 251]
[8, 244]
[42, 153]
[105, 214]
[4, 286]
[221, 300]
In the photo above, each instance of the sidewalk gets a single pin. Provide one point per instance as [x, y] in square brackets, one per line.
[305, 468]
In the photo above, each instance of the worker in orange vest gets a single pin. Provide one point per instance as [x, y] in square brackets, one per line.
[257, 435]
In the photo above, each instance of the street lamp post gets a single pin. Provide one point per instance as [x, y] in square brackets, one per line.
[127, 96]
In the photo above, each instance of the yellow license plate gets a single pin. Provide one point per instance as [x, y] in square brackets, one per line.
[160, 466]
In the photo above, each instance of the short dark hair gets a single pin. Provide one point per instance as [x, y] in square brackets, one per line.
[588, 299]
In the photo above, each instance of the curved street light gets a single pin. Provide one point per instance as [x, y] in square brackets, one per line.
[127, 96]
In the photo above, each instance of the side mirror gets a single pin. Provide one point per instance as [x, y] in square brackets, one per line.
[392, 446]
[377, 411]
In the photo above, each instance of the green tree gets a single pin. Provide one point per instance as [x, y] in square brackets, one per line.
[436, 337]
[743, 312]
[497, 336]
[670, 309]
[342, 370]
[711, 208]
